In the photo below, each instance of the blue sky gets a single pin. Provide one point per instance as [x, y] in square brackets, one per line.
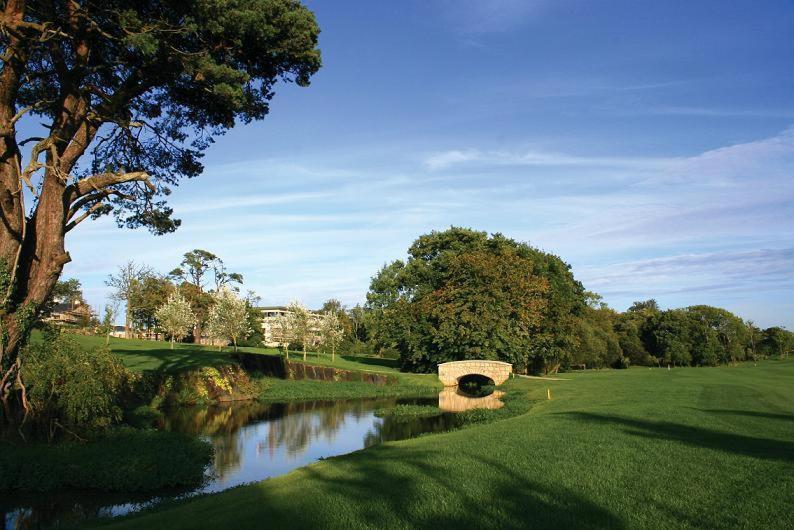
[649, 144]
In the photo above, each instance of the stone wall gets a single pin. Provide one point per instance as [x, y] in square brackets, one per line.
[498, 371]
[274, 366]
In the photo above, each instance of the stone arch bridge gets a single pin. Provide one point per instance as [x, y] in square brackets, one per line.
[451, 372]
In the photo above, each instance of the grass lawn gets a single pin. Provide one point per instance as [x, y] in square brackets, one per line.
[639, 448]
[143, 355]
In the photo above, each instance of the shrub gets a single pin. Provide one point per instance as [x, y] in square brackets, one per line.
[72, 389]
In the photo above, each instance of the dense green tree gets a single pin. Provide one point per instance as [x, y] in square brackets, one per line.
[150, 293]
[357, 315]
[65, 291]
[254, 337]
[777, 341]
[730, 331]
[644, 306]
[129, 95]
[463, 294]
[628, 327]
[667, 337]
[597, 343]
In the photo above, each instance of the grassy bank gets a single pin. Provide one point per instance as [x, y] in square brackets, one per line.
[156, 356]
[123, 460]
[647, 448]
[289, 390]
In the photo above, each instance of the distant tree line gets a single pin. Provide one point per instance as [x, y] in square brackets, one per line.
[199, 298]
[463, 294]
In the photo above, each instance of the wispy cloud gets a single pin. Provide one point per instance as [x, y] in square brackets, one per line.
[632, 226]
[737, 112]
[456, 158]
[488, 16]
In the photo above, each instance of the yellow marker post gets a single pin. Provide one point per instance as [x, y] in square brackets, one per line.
[548, 393]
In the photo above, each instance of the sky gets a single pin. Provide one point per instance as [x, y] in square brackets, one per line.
[649, 144]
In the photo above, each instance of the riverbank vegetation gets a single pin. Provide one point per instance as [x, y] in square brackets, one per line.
[100, 405]
[290, 390]
[631, 448]
[122, 459]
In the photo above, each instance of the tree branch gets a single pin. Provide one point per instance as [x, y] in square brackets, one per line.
[102, 181]
[34, 164]
[98, 196]
[83, 217]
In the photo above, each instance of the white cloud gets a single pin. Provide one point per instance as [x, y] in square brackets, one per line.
[632, 227]
[474, 157]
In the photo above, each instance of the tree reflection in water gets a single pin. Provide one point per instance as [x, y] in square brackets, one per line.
[252, 441]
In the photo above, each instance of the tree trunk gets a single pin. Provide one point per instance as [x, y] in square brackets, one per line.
[172, 342]
[304, 351]
[127, 321]
[197, 333]
[27, 286]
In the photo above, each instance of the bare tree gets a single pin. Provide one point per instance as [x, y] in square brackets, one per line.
[125, 283]
[109, 320]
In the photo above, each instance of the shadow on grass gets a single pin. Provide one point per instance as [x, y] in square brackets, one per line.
[172, 361]
[750, 414]
[372, 361]
[739, 444]
[390, 488]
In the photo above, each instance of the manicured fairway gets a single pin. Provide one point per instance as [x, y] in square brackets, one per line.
[640, 448]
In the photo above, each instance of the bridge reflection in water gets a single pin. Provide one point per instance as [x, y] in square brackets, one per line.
[451, 399]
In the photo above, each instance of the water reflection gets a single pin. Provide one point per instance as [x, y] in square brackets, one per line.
[252, 441]
[453, 399]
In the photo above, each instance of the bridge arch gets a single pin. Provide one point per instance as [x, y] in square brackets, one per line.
[451, 372]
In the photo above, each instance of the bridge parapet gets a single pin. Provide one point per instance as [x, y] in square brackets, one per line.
[451, 372]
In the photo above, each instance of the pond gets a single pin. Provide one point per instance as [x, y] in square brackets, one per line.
[252, 441]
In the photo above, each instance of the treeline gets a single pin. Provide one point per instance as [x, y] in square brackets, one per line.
[644, 335]
[463, 294]
[200, 280]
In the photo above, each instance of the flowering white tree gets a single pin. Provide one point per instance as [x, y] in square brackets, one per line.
[228, 317]
[282, 332]
[175, 316]
[331, 331]
[299, 325]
